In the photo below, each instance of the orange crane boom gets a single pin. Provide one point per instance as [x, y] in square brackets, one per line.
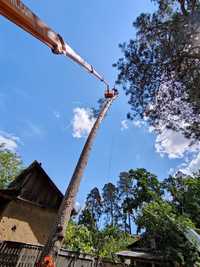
[21, 15]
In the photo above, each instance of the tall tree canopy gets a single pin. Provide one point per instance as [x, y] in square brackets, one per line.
[165, 211]
[184, 192]
[163, 225]
[160, 69]
[10, 166]
[125, 187]
[111, 204]
[92, 211]
[137, 187]
[146, 187]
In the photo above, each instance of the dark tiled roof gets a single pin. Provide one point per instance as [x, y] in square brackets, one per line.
[9, 193]
[34, 185]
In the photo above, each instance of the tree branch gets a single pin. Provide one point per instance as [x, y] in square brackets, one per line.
[182, 5]
[193, 5]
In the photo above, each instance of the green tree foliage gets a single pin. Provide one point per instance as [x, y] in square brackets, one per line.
[103, 243]
[166, 227]
[111, 240]
[165, 219]
[125, 186]
[86, 219]
[143, 188]
[93, 208]
[185, 195]
[160, 68]
[146, 187]
[111, 206]
[163, 212]
[10, 167]
[78, 238]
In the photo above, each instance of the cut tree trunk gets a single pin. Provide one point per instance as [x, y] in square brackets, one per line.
[57, 234]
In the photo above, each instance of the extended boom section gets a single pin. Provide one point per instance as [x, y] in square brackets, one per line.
[17, 12]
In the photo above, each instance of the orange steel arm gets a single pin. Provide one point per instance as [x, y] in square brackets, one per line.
[21, 15]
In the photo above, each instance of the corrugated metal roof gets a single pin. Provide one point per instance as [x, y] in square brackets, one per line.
[138, 254]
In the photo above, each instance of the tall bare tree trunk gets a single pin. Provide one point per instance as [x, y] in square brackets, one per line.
[56, 236]
[129, 222]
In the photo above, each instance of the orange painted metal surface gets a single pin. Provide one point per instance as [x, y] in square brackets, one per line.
[110, 93]
[21, 15]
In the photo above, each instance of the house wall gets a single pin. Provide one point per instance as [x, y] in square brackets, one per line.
[25, 222]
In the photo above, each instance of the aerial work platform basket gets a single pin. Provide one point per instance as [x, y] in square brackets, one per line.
[110, 93]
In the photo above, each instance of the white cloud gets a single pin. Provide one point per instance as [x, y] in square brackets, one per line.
[174, 144]
[151, 129]
[124, 125]
[192, 166]
[171, 171]
[77, 206]
[82, 122]
[139, 123]
[9, 141]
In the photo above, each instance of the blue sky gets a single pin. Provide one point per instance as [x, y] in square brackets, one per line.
[44, 99]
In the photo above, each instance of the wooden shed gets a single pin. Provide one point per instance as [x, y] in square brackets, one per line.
[140, 258]
[28, 206]
[141, 253]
